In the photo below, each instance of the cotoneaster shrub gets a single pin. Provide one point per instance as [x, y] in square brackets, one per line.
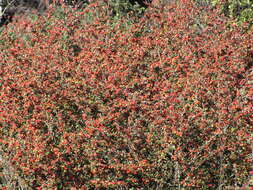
[163, 103]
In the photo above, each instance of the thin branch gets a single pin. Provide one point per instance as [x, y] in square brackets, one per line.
[7, 6]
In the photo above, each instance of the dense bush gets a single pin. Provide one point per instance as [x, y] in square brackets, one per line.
[163, 103]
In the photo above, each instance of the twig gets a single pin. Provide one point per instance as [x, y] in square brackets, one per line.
[7, 6]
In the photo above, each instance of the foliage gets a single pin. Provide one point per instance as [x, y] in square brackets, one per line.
[240, 10]
[124, 8]
[117, 9]
[165, 102]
